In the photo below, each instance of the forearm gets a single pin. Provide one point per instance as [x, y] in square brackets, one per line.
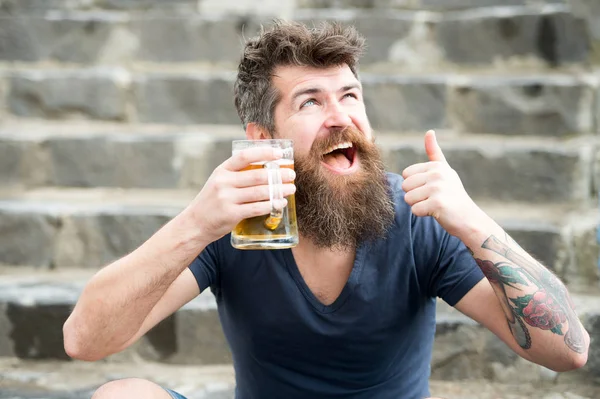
[116, 301]
[535, 302]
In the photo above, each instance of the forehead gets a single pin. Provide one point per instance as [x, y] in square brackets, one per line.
[289, 79]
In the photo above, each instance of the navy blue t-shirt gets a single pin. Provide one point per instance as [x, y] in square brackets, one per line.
[374, 341]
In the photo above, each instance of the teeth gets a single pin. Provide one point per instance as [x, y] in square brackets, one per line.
[338, 147]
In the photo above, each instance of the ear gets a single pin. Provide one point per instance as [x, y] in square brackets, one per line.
[256, 132]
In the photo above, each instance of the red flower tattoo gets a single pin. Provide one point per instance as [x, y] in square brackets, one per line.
[543, 312]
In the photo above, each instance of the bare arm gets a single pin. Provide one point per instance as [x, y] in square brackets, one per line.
[128, 297]
[117, 300]
[536, 310]
[531, 309]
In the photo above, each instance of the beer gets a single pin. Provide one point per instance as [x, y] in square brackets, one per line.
[266, 231]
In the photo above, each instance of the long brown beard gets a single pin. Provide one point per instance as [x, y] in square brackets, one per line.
[341, 211]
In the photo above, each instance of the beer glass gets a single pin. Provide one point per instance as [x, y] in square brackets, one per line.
[279, 228]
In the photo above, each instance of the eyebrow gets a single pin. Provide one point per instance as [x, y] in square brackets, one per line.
[315, 90]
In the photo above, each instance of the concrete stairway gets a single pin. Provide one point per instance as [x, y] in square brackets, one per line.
[113, 113]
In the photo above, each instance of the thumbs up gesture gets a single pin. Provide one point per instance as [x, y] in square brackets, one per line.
[434, 189]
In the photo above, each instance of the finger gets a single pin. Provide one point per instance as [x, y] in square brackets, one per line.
[260, 193]
[424, 208]
[414, 181]
[432, 148]
[259, 177]
[254, 209]
[416, 168]
[243, 158]
[418, 194]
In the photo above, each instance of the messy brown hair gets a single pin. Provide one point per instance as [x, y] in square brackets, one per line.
[289, 44]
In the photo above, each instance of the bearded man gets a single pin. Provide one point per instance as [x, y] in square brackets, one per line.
[350, 311]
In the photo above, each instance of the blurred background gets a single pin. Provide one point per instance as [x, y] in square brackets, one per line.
[113, 113]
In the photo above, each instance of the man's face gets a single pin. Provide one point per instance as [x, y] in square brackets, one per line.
[342, 194]
[316, 101]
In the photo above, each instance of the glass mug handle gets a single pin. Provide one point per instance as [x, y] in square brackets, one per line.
[275, 194]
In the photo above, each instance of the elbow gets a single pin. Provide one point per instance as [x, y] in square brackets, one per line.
[75, 345]
[573, 362]
[579, 360]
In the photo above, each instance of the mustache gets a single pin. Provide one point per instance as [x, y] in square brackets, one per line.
[341, 135]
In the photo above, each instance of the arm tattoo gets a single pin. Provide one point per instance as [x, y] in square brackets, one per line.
[548, 308]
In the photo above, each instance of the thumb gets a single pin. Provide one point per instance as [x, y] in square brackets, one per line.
[432, 148]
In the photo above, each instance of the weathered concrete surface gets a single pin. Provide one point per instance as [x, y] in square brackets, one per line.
[48, 233]
[77, 380]
[420, 4]
[192, 39]
[487, 35]
[36, 6]
[11, 156]
[405, 102]
[18, 7]
[36, 311]
[72, 155]
[555, 105]
[85, 39]
[27, 238]
[550, 35]
[585, 269]
[186, 98]
[94, 93]
[403, 37]
[592, 325]
[590, 10]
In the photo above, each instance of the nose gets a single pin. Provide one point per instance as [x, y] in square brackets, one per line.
[337, 116]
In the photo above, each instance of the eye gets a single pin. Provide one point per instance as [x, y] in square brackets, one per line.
[351, 95]
[308, 103]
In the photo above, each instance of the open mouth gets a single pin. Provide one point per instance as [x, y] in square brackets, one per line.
[340, 156]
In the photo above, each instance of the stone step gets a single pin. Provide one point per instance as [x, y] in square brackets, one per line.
[422, 4]
[77, 380]
[543, 35]
[533, 103]
[16, 7]
[81, 154]
[34, 306]
[50, 228]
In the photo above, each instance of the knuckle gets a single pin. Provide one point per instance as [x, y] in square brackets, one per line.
[438, 203]
[436, 174]
[243, 157]
[256, 193]
[260, 177]
[221, 196]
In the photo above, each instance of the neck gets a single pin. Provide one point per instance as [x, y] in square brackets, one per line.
[308, 251]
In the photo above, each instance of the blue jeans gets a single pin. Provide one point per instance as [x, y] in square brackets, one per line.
[174, 394]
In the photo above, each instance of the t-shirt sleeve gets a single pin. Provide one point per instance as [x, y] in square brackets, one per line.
[205, 267]
[450, 270]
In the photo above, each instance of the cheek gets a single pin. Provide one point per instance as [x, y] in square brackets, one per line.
[361, 121]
